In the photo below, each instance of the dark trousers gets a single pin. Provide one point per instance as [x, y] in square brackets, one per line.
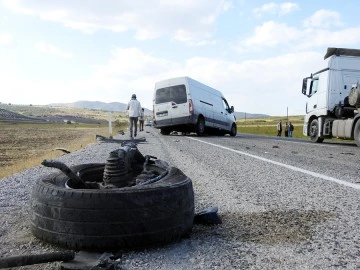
[133, 125]
[141, 122]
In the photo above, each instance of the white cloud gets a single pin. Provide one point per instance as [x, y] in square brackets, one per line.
[323, 19]
[183, 20]
[286, 8]
[5, 38]
[269, 34]
[315, 33]
[44, 47]
[326, 38]
[275, 9]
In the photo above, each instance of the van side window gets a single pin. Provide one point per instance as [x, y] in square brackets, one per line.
[226, 105]
[175, 94]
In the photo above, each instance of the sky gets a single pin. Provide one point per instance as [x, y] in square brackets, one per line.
[255, 52]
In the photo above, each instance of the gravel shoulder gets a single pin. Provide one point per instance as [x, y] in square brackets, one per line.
[267, 224]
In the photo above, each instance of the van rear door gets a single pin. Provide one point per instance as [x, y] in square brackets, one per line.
[171, 105]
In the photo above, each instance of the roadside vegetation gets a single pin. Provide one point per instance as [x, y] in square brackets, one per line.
[268, 126]
[23, 146]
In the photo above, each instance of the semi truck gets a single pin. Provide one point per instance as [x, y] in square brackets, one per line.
[333, 105]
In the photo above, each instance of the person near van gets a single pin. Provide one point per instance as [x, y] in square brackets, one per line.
[134, 110]
[279, 129]
[141, 120]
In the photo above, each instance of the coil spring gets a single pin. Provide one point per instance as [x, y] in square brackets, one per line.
[116, 168]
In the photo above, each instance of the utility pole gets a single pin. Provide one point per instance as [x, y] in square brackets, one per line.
[287, 113]
[110, 126]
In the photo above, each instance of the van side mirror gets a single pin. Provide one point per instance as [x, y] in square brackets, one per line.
[232, 109]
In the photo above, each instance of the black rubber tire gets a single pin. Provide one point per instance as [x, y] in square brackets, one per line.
[313, 132]
[357, 133]
[126, 218]
[200, 126]
[165, 131]
[233, 130]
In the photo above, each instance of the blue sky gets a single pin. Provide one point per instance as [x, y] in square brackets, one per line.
[255, 52]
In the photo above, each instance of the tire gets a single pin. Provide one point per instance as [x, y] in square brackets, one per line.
[126, 218]
[233, 130]
[200, 126]
[313, 132]
[357, 133]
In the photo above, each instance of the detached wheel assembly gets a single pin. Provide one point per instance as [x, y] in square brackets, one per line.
[130, 201]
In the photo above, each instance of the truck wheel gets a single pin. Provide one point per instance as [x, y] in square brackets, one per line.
[233, 130]
[357, 133]
[314, 131]
[200, 126]
[129, 217]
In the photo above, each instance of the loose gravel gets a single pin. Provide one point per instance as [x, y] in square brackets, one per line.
[250, 236]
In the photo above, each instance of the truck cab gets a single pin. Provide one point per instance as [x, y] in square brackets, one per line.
[332, 109]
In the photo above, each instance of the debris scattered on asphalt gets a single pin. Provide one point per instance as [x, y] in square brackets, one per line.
[22, 260]
[92, 260]
[207, 216]
[63, 150]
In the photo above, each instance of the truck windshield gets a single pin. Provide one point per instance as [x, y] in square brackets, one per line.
[175, 94]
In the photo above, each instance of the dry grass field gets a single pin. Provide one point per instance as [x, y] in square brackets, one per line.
[46, 111]
[24, 146]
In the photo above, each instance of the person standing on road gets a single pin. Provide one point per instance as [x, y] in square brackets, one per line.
[141, 119]
[279, 129]
[134, 110]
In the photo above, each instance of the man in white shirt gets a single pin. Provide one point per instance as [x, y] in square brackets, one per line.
[134, 110]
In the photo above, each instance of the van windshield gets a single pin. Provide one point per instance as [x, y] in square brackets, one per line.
[175, 94]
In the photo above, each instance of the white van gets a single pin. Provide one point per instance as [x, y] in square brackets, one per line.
[185, 105]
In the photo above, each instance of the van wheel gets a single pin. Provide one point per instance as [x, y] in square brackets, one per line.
[200, 126]
[357, 133]
[314, 131]
[165, 131]
[233, 130]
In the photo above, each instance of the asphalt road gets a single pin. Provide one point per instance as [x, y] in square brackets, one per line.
[286, 203]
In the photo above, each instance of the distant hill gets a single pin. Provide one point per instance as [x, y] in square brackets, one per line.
[10, 116]
[121, 107]
[98, 105]
[45, 114]
[241, 115]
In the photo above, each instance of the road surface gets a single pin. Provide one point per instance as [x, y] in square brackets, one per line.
[285, 203]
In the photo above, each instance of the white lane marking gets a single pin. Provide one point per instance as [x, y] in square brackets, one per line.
[307, 142]
[318, 175]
